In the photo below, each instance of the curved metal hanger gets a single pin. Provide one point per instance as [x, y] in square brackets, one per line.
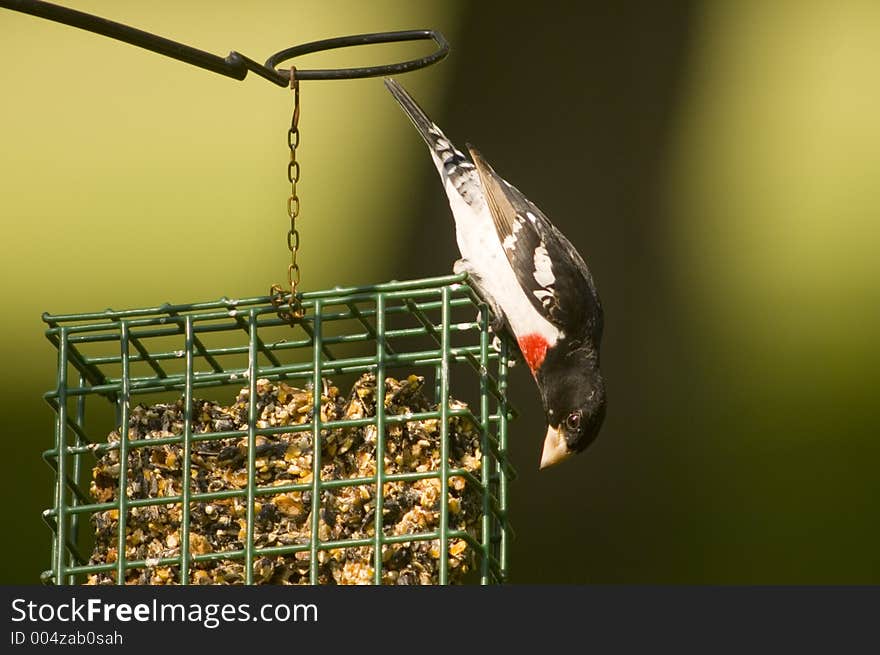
[235, 64]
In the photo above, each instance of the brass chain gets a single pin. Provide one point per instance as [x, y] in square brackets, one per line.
[292, 310]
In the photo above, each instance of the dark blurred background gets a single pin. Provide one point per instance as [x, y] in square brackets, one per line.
[715, 163]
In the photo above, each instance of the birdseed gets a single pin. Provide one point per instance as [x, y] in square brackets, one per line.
[152, 532]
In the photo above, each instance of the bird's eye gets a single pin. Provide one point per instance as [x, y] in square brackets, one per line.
[573, 421]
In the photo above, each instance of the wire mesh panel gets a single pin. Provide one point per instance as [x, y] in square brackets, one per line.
[403, 479]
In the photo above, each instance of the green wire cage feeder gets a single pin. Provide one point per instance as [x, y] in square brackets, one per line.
[257, 452]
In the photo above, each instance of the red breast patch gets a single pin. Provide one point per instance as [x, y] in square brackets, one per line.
[534, 349]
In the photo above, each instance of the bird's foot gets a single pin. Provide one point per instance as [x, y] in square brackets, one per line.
[496, 346]
[514, 356]
[496, 325]
[462, 266]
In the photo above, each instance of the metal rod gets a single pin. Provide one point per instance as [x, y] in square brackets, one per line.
[235, 64]
[253, 372]
[502, 460]
[124, 403]
[314, 541]
[101, 449]
[76, 473]
[187, 455]
[272, 551]
[380, 438]
[444, 443]
[61, 440]
[339, 296]
[485, 470]
[265, 491]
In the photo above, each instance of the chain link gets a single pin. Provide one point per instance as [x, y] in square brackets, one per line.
[292, 310]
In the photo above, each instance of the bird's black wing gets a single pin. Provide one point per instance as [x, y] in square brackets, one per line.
[549, 269]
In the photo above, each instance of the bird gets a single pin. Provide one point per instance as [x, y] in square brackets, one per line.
[534, 282]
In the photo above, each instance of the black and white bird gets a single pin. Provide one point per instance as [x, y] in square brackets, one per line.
[535, 283]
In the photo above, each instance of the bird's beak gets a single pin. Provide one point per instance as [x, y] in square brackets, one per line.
[555, 448]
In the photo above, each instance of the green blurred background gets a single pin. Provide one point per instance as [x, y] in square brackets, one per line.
[717, 164]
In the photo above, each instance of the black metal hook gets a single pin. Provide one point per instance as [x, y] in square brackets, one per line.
[236, 65]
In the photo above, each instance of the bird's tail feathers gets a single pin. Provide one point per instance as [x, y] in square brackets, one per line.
[450, 162]
[426, 127]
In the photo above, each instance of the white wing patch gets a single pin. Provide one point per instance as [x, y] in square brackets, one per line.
[543, 267]
[509, 242]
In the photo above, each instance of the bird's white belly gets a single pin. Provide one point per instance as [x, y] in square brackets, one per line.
[479, 244]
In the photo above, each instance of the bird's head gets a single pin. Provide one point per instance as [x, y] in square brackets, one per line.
[574, 403]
